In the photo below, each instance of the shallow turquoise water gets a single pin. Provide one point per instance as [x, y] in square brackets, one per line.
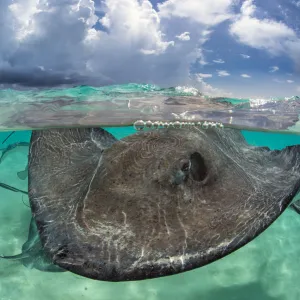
[266, 268]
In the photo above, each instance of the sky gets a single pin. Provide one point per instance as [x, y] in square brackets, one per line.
[238, 48]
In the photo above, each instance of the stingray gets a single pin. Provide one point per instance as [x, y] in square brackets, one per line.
[33, 255]
[155, 203]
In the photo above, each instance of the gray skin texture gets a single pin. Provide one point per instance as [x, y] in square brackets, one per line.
[33, 256]
[155, 203]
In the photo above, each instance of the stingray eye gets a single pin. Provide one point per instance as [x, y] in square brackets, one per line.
[185, 165]
[198, 168]
[182, 173]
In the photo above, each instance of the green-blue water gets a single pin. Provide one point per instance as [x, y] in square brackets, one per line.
[84, 92]
[267, 268]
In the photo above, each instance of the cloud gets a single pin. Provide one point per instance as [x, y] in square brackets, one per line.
[38, 78]
[47, 36]
[296, 3]
[202, 75]
[185, 36]
[290, 81]
[46, 43]
[206, 12]
[273, 69]
[278, 80]
[219, 61]
[223, 73]
[208, 89]
[245, 76]
[245, 56]
[265, 34]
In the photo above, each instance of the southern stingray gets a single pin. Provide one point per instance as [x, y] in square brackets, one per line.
[155, 203]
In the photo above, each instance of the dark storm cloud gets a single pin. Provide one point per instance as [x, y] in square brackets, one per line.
[40, 78]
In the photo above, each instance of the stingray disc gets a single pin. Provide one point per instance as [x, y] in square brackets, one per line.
[155, 203]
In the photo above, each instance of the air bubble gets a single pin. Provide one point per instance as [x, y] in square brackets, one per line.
[149, 124]
[177, 125]
[156, 125]
[139, 125]
[205, 125]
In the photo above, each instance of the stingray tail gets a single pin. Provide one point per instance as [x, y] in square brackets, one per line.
[8, 137]
[15, 257]
[11, 188]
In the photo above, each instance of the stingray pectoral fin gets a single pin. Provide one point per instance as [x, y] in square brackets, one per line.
[33, 256]
[40, 261]
[33, 239]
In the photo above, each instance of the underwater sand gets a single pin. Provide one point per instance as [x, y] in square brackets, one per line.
[266, 268]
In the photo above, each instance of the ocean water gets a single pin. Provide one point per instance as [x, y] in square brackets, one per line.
[266, 268]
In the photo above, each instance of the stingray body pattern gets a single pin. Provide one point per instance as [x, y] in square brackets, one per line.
[155, 203]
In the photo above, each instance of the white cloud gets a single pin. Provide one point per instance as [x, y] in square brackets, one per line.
[245, 76]
[278, 80]
[247, 8]
[245, 56]
[297, 3]
[55, 42]
[208, 89]
[136, 24]
[185, 36]
[273, 69]
[202, 75]
[205, 35]
[223, 73]
[266, 34]
[205, 11]
[290, 81]
[219, 61]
